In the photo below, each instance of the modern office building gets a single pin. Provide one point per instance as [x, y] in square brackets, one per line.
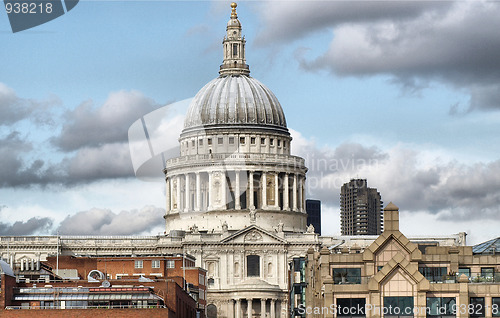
[313, 210]
[360, 209]
[395, 277]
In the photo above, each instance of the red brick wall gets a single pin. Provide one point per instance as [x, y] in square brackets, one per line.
[89, 313]
[7, 291]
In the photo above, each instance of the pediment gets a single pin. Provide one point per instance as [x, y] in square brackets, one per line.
[392, 240]
[398, 272]
[253, 235]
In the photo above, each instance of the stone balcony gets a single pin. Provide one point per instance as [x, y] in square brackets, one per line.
[254, 159]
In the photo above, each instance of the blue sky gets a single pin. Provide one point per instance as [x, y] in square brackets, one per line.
[407, 90]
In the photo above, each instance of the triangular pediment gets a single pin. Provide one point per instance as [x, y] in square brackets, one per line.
[253, 235]
[399, 268]
[392, 240]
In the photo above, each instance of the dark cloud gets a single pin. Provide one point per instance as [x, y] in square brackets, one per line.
[288, 21]
[455, 43]
[34, 225]
[415, 181]
[105, 222]
[88, 126]
[86, 165]
[14, 108]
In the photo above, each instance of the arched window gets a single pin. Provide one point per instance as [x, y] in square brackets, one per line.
[211, 311]
[253, 265]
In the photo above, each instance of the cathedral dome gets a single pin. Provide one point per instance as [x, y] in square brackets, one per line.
[235, 100]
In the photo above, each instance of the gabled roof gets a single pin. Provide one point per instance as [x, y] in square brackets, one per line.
[253, 234]
[488, 247]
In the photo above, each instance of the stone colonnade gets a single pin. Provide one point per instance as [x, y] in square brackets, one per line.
[215, 190]
[244, 308]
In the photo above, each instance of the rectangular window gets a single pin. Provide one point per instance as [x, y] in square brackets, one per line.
[444, 307]
[487, 273]
[271, 141]
[495, 306]
[284, 144]
[242, 140]
[192, 143]
[139, 264]
[252, 140]
[155, 263]
[279, 143]
[262, 141]
[220, 140]
[253, 265]
[398, 307]
[209, 141]
[351, 307]
[434, 274]
[200, 142]
[476, 307]
[347, 275]
[170, 263]
[231, 140]
[464, 270]
[235, 49]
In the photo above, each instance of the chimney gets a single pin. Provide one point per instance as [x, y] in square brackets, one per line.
[391, 217]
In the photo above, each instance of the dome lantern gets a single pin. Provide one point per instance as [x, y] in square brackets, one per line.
[234, 62]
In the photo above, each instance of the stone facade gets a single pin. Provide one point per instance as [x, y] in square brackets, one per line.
[424, 276]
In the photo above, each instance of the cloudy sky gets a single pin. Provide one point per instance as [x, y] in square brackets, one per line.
[405, 94]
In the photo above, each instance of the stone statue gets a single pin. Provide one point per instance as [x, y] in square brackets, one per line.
[280, 227]
[194, 229]
[310, 229]
[252, 216]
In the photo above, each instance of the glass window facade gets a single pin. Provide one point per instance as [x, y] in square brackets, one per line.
[351, 307]
[347, 275]
[434, 274]
[398, 307]
[441, 307]
[476, 307]
[495, 306]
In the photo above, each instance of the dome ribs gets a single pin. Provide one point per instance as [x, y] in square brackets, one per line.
[230, 100]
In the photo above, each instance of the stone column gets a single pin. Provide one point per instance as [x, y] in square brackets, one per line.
[172, 194]
[263, 308]
[273, 308]
[300, 203]
[167, 194]
[198, 192]
[187, 200]
[179, 193]
[251, 205]
[237, 204]
[276, 190]
[230, 309]
[284, 307]
[249, 308]
[294, 192]
[286, 205]
[238, 308]
[223, 189]
[210, 191]
[264, 189]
